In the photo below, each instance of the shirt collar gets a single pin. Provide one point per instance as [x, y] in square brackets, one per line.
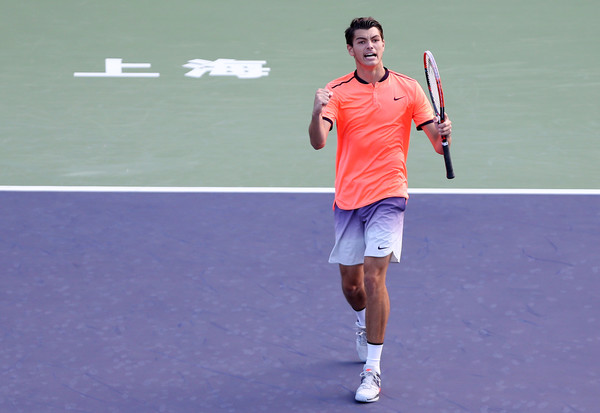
[385, 76]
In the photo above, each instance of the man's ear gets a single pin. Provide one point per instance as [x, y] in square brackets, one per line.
[350, 50]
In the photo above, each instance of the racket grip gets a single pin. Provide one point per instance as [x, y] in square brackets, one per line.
[448, 161]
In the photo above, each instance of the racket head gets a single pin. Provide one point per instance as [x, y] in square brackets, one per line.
[434, 84]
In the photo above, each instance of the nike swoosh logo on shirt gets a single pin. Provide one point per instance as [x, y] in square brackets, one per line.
[399, 98]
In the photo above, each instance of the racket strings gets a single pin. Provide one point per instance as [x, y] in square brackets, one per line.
[432, 82]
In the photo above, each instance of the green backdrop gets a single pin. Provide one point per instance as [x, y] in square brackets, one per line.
[520, 78]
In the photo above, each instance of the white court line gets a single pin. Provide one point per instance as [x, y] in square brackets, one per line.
[278, 190]
[165, 189]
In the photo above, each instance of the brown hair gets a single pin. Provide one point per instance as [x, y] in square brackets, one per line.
[361, 23]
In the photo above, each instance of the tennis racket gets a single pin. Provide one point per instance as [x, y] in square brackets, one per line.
[437, 99]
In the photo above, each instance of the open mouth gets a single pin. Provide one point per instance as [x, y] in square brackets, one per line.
[370, 55]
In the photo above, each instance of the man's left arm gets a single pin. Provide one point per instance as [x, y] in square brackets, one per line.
[435, 131]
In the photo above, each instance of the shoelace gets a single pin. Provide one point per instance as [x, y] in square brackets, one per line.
[371, 379]
[361, 333]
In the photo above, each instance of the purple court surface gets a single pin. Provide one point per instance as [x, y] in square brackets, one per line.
[225, 302]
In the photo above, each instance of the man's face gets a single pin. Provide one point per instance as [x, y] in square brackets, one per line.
[367, 47]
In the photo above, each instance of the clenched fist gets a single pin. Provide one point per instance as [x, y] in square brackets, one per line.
[322, 97]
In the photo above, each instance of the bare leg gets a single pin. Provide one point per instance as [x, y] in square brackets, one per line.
[353, 286]
[378, 300]
[364, 286]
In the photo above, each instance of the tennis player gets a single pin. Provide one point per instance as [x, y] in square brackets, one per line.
[373, 109]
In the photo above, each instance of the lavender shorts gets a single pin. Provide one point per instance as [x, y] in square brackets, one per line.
[371, 231]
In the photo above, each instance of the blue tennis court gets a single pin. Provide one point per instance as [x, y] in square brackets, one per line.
[181, 302]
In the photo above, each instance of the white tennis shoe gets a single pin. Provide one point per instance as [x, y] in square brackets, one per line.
[369, 388]
[361, 342]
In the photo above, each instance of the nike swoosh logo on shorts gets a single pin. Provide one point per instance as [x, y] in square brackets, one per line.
[399, 98]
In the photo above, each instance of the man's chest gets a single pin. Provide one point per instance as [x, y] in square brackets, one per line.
[385, 105]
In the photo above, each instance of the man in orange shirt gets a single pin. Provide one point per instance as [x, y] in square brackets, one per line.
[373, 109]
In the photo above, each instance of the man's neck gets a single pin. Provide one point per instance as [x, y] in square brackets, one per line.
[371, 74]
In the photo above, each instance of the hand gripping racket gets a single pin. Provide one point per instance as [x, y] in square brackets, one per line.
[437, 99]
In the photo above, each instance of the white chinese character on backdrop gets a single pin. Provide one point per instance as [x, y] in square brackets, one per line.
[243, 69]
[114, 68]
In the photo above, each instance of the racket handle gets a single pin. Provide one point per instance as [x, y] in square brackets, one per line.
[448, 160]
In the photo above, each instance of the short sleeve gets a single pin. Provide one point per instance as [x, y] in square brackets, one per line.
[422, 112]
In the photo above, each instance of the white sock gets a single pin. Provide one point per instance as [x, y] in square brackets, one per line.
[374, 357]
[360, 317]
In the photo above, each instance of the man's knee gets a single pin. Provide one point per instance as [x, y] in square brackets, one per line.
[352, 279]
[375, 273]
[374, 284]
[352, 288]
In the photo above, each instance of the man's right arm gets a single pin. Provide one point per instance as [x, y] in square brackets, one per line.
[319, 127]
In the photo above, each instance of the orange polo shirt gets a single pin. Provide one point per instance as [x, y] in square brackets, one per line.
[373, 129]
